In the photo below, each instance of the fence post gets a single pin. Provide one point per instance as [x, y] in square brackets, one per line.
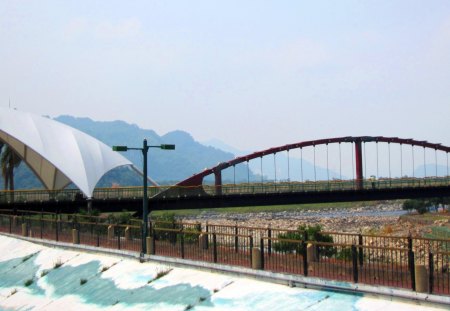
[412, 269]
[24, 229]
[355, 264]
[75, 236]
[41, 225]
[10, 223]
[110, 232]
[361, 254]
[207, 234]
[152, 245]
[127, 234]
[118, 237]
[56, 226]
[236, 240]
[410, 246]
[182, 244]
[78, 232]
[214, 247]
[431, 269]
[305, 259]
[262, 253]
[143, 239]
[98, 235]
[251, 249]
[269, 241]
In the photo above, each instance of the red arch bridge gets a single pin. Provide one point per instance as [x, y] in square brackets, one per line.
[326, 170]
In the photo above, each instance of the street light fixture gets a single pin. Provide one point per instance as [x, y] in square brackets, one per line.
[144, 150]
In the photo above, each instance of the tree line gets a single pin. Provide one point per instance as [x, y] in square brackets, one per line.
[9, 160]
[423, 206]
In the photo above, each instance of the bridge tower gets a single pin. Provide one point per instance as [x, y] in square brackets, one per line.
[359, 165]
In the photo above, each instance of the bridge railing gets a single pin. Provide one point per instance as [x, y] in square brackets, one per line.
[369, 259]
[134, 193]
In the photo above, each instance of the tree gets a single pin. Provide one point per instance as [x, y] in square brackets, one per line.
[420, 205]
[9, 161]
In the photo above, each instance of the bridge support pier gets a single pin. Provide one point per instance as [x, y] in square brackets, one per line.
[218, 181]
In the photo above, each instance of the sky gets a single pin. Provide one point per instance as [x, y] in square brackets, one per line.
[253, 74]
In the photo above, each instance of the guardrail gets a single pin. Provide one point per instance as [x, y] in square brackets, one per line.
[414, 263]
[117, 193]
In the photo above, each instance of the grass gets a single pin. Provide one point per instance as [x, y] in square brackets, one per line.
[57, 264]
[160, 273]
[269, 208]
[28, 282]
[44, 273]
[164, 271]
[27, 257]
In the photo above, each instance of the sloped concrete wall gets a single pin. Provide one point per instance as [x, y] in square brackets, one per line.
[42, 278]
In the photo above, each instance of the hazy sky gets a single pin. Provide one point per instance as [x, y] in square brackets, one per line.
[254, 74]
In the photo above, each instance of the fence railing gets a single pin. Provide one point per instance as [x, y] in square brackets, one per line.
[407, 262]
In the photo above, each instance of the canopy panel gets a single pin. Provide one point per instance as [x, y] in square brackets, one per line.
[58, 153]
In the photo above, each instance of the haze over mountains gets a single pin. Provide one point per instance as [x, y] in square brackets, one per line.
[189, 157]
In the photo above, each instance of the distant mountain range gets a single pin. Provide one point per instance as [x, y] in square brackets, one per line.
[189, 157]
[165, 167]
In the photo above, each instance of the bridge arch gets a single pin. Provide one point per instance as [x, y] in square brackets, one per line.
[197, 179]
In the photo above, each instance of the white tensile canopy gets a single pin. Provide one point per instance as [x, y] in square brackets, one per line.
[58, 154]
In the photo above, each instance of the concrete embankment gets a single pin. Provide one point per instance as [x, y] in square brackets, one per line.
[37, 277]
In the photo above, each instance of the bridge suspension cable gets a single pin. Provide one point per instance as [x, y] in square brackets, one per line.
[262, 174]
[365, 162]
[315, 176]
[424, 162]
[289, 174]
[248, 173]
[378, 172]
[301, 162]
[412, 152]
[275, 166]
[234, 174]
[328, 171]
[389, 152]
[435, 159]
[340, 163]
[401, 161]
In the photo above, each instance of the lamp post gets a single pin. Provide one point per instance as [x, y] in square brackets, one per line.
[144, 150]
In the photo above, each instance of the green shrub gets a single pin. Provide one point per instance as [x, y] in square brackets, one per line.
[344, 253]
[308, 233]
[124, 218]
[166, 221]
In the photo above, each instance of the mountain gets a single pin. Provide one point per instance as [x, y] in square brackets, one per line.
[164, 166]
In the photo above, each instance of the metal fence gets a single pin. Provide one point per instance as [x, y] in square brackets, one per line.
[369, 259]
